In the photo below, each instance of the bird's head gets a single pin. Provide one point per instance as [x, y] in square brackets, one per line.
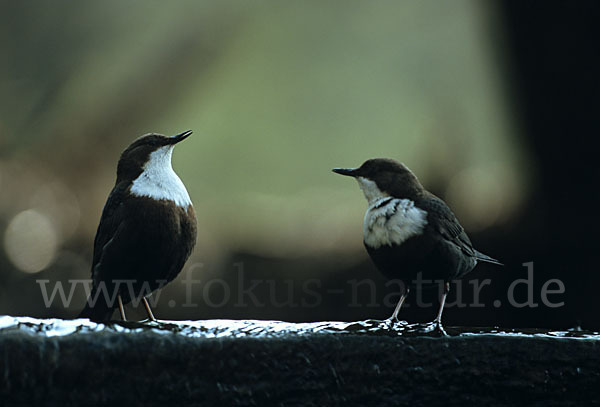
[147, 152]
[381, 177]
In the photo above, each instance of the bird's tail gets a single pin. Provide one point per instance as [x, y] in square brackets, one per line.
[486, 258]
[99, 312]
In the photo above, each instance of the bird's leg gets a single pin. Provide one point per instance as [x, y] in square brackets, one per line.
[148, 310]
[121, 307]
[394, 317]
[438, 319]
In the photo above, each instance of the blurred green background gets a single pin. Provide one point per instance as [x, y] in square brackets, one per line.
[277, 94]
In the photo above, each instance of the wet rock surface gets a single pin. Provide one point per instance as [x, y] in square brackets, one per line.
[224, 362]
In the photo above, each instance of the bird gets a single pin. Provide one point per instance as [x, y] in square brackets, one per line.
[408, 230]
[147, 229]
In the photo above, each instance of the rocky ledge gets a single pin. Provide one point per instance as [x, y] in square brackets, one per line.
[246, 363]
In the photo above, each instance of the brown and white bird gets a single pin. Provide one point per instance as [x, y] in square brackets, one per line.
[147, 229]
[407, 230]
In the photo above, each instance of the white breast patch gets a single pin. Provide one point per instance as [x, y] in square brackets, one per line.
[390, 221]
[159, 181]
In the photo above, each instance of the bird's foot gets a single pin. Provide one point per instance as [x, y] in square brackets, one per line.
[436, 328]
[393, 323]
[150, 321]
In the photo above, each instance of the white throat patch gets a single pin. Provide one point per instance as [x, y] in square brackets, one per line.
[159, 181]
[370, 189]
[391, 221]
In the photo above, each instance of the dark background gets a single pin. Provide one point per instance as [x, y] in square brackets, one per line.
[555, 70]
[499, 118]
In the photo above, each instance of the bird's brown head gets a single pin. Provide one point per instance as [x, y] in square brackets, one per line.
[150, 147]
[380, 177]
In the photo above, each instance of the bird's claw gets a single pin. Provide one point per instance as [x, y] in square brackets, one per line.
[437, 328]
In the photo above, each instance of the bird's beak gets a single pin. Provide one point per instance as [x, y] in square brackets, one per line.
[351, 172]
[181, 137]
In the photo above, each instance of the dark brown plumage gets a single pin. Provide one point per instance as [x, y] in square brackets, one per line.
[409, 230]
[147, 230]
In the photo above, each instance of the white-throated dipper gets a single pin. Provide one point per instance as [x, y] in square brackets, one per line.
[147, 229]
[407, 230]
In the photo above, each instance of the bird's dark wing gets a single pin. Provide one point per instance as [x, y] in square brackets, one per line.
[443, 221]
[110, 229]
[111, 220]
